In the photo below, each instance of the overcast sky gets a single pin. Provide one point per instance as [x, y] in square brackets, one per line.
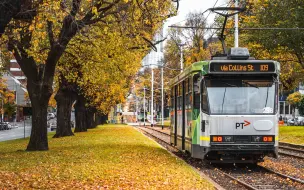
[187, 6]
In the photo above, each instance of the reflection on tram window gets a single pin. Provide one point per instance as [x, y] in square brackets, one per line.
[240, 96]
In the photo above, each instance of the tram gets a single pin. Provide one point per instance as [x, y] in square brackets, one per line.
[226, 109]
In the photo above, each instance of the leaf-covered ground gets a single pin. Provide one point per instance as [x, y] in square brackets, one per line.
[292, 134]
[108, 157]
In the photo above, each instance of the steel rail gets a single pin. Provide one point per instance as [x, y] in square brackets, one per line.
[283, 175]
[291, 155]
[246, 185]
[158, 131]
[292, 149]
[291, 145]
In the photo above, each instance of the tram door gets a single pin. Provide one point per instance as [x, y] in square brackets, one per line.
[204, 117]
[183, 116]
[175, 115]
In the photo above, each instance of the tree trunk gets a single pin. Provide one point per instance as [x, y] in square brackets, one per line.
[90, 118]
[39, 98]
[65, 100]
[103, 119]
[80, 115]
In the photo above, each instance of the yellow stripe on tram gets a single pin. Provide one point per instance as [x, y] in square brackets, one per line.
[276, 138]
[205, 138]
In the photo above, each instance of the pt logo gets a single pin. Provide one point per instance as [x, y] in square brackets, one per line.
[243, 124]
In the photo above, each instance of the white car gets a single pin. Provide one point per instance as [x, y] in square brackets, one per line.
[50, 116]
[300, 121]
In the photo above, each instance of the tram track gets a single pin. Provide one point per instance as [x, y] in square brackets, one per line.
[292, 150]
[253, 178]
[286, 149]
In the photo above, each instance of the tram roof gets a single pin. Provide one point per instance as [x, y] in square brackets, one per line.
[195, 67]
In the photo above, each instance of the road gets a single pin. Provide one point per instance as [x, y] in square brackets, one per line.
[15, 133]
[18, 133]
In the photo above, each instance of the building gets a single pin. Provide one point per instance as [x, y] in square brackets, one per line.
[16, 82]
[16, 72]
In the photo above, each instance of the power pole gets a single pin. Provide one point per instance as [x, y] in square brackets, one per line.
[17, 105]
[162, 96]
[136, 108]
[152, 88]
[181, 58]
[144, 106]
[236, 26]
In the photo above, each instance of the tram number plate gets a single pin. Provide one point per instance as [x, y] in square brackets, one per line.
[242, 67]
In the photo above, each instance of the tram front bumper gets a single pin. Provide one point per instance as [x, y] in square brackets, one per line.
[245, 149]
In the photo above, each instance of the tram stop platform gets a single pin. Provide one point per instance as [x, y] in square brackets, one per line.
[107, 157]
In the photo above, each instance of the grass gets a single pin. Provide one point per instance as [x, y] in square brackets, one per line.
[166, 123]
[111, 157]
[292, 134]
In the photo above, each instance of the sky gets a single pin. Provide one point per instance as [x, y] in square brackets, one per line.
[187, 6]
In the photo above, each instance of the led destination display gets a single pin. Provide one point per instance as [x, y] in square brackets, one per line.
[243, 67]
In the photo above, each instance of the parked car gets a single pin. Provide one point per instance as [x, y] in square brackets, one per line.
[297, 121]
[50, 116]
[300, 121]
[291, 121]
[53, 126]
[5, 126]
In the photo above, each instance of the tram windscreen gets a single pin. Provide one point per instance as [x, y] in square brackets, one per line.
[240, 96]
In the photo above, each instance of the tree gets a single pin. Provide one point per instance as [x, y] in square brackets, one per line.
[286, 46]
[296, 99]
[57, 22]
[16, 9]
[300, 106]
[111, 50]
[7, 98]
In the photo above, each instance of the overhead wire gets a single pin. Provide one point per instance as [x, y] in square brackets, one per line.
[200, 14]
[211, 26]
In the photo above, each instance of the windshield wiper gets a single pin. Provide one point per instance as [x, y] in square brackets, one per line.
[224, 99]
[267, 96]
[252, 85]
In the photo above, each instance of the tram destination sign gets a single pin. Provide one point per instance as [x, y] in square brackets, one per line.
[251, 67]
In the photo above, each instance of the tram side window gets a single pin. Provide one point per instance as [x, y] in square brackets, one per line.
[196, 98]
[180, 95]
[204, 98]
[186, 93]
[190, 92]
[172, 99]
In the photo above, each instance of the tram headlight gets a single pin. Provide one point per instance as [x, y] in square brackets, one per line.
[267, 139]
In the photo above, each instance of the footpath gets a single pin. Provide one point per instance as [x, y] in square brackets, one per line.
[108, 157]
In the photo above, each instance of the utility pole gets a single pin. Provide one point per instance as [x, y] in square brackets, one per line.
[136, 108]
[236, 26]
[144, 106]
[16, 104]
[2, 110]
[181, 58]
[162, 96]
[152, 88]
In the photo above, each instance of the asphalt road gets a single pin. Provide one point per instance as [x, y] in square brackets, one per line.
[15, 133]
[18, 132]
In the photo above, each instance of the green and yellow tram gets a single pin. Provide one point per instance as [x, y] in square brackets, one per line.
[225, 109]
